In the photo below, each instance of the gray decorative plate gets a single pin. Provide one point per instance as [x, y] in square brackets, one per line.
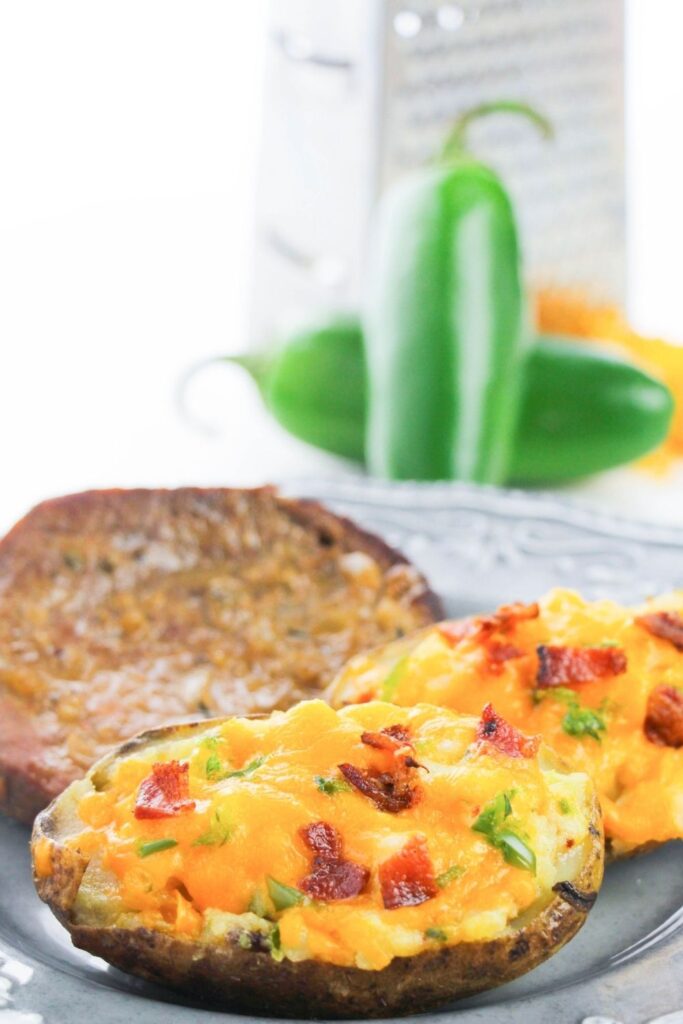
[479, 548]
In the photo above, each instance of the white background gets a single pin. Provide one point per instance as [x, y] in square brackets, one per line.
[128, 144]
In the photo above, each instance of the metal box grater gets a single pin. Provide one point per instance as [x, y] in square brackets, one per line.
[360, 91]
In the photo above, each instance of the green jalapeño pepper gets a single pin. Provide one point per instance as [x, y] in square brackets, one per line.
[584, 410]
[446, 326]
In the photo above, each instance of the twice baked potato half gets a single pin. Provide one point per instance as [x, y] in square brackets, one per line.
[361, 863]
[120, 610]
[602, 684]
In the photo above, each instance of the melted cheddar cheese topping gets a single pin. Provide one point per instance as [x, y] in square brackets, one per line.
[236, 863]
[597, 725]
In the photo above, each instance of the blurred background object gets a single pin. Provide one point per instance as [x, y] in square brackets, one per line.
[361, 91]
[130, 136]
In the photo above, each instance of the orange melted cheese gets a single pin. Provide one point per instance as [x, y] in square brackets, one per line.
[246, 829]
[640, 783]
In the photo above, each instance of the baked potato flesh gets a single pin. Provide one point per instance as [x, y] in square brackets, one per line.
[366, 862]
[602, 684]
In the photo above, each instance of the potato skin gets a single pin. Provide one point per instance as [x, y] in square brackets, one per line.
[232, 978]
[36, 763]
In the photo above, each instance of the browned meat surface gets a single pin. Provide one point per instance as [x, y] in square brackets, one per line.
[124, 610]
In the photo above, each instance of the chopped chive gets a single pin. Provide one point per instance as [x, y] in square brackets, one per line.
[449, 876]
[581, 722]
[564, 806]
[331, 786]
[283, 896]
[257, 904]
[213, 767]
[493, 815]
[276, 945]
[156, 846]
[490, 824]
[248, 769]
[515, 851]
[438, 934]
[391, 683]
[218, 835]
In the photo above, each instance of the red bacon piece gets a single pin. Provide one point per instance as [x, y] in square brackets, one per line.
[664, 718]
[165, 793]
[390, 792]
[484, 626]
[665, 625]
[332, 877]
[322, 839]
[499, 653]
[391, 739]
[564, 666]
[333, 880]
[455, 632]
[407, 879]
[504, 737]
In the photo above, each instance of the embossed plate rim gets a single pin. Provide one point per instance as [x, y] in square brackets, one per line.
[634, 989]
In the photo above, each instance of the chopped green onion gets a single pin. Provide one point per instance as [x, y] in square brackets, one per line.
[248, 769]
[213, 767]
[391, 683]
[331, 786]
[564, 806]
[578, 721]
[276, 945]
[490, 824]
[581, 722]
[283, 896]
[257, 904]
[438, 934]
[515, 851]
[449, 876]
[156, 846]
[493, 815]
[218, 835]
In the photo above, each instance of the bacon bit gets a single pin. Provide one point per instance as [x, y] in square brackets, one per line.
[509, 615]
[563, 666]
[504, 737]
[484, 626]
[665, 625]
[165, 793]
[395, 739]
[455, 632]
[407, 879]
[323, 840]
[389, 792]
[399, 733]
[664, 719]
[386, 739]
[332, 877]
[498, 654]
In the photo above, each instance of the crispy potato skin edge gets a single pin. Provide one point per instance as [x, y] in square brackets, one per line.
[232, 978]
